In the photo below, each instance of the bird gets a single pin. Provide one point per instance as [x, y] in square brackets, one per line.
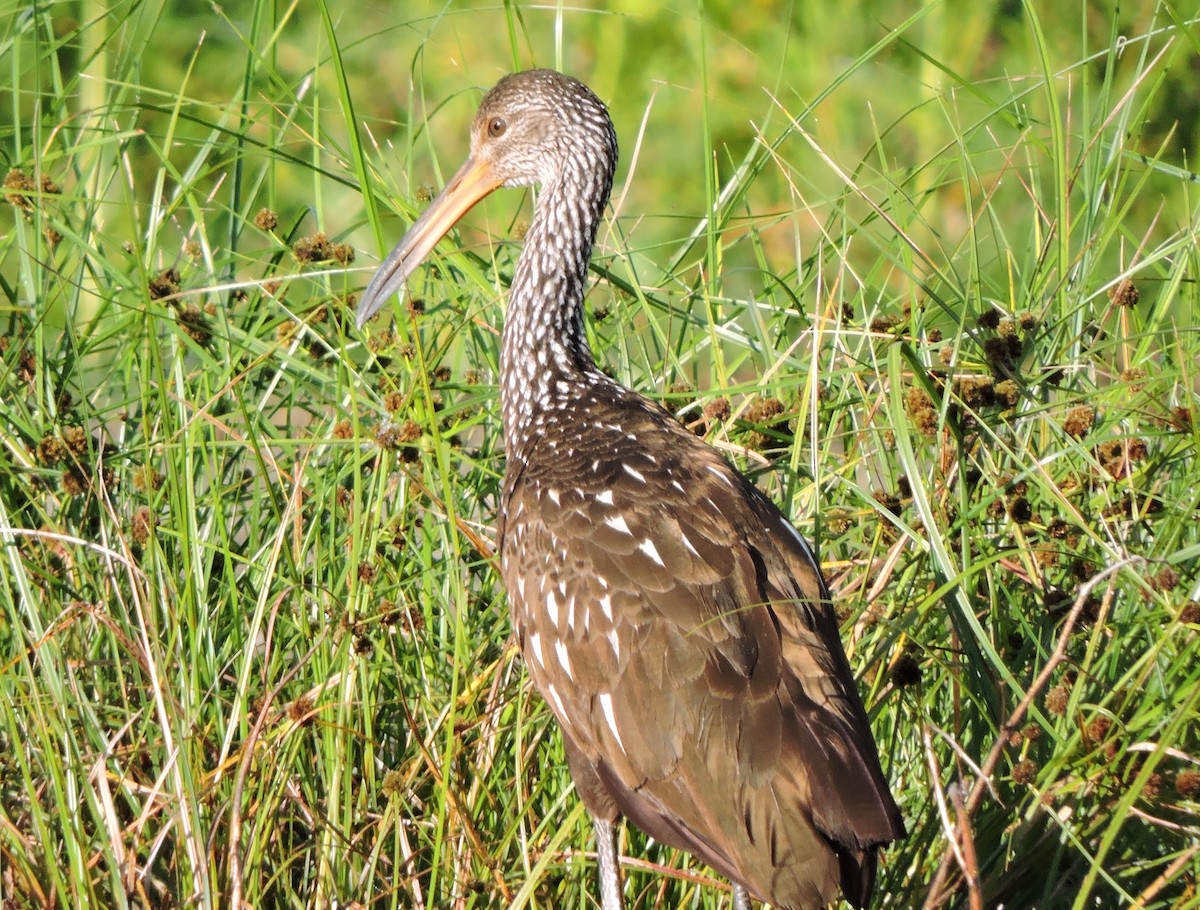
[675, 621]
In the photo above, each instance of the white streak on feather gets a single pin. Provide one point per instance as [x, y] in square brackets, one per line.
[647, 546]
[688, 543]
[606, 705]
[721, 475]
[618, 523]
[563, 657]
[557, 702]
[535, 645]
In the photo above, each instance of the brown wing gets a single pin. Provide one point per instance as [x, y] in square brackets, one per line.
[680, 630]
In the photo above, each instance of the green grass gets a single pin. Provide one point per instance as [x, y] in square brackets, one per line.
[944, 276]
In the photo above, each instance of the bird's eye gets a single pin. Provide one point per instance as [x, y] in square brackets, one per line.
[496, 127]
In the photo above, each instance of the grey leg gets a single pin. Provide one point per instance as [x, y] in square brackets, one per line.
[610, 872]
[741, 899]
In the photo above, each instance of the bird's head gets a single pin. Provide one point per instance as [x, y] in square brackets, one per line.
[533, 127]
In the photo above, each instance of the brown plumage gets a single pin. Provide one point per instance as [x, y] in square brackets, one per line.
[675, 621]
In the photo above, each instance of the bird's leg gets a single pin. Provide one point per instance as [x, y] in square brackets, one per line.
[610, 872]
[741, 898]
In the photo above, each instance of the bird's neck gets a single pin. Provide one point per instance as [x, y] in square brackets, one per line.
[545, 361]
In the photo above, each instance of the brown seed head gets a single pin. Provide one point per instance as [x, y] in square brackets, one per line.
[301, 710]
[1019, 510]
[1057, 701]
[1002, 352]
[143, 525]
[146, 478]
[195, 325]
[921, 411]
[77, 440]
[19, 189]
[887, 501]
[717, 409]
[1025, 771]
[50, 451]
[165, 284]
[1046, 555]
[905, 671]
[1098, 727]
[916, 399]
[886, 325]
[393, 436]
[393, 784]
[1058, 529]
[989, 319]
[976, 391]
[1187, 782]
[1165, 579]
[764, 410]
[1135, 376]
[74, 482]
[1079, 420]
[317, 248]
[837, 521]
[1124, 293]
[1007, 393]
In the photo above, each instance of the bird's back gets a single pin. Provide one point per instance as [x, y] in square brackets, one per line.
[680, 630]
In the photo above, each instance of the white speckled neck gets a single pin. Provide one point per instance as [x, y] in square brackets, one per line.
[546, 364]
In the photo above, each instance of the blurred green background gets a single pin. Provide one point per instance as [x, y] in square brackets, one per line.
[891, 93]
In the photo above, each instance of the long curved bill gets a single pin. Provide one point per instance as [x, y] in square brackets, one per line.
[473, 181]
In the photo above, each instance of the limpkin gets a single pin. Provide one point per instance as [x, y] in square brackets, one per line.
[675, 621]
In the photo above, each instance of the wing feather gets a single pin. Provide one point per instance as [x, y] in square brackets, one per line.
[711, 701]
